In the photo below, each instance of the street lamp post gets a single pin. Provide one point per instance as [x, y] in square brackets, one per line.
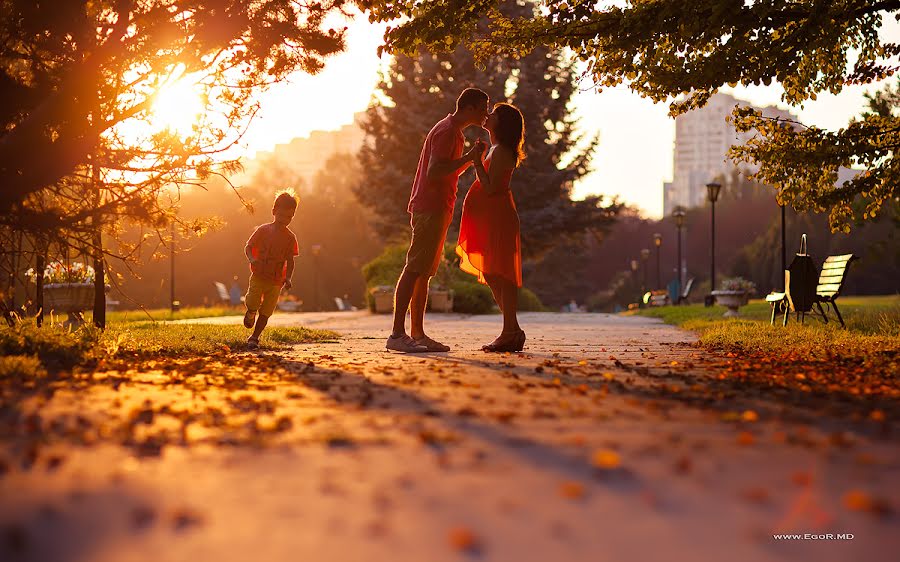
[634, 267]
[679, 214]
[783, 247]
[645, 255]
[173, 304]
[712, 193]
[316, 250]
[657, 241]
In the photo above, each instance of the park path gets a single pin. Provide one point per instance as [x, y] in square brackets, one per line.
[596, 443]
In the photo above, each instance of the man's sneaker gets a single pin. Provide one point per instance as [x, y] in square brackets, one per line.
[432, 345]
[404, 344]
[252, 343]
[249, 318]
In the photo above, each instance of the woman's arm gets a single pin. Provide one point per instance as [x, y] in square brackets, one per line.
[502, 162]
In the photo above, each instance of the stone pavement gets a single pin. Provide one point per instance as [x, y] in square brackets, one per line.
[585, 447]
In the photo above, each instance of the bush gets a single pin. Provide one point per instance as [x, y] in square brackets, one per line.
[529, 302]
[16, 366]
[54, 345]
[383, 270]
[469, 296]
[472, 298]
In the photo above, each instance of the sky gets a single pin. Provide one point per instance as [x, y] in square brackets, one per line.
[637, 137]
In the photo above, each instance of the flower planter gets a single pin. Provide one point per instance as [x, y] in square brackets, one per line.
[383, 299]
[68, 297]
[732, 300]
[440, 300]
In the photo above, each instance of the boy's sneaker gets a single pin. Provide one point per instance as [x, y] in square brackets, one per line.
[249, 318]
[404, 344]
[252, 343]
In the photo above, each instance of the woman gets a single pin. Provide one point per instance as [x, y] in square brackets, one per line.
[489, 245]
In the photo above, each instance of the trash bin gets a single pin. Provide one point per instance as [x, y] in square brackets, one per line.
[800, 280]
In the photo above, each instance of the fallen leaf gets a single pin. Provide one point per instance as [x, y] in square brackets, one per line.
[463, 539]
[571, 490]
[606, 459]
[745, 438]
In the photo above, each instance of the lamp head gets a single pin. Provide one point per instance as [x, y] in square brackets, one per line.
[657, 239]
[645, 253]
[712, 191]
[678, 214]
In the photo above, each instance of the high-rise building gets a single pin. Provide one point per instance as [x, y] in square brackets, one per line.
[305, 156]
[702, 139]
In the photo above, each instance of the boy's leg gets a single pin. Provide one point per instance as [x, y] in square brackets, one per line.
[252, 301]
[260, 326]
[270, 294]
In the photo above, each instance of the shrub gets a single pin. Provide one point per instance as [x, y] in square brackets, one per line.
[529, 302]
[472, 298]
[54, 345]
[14, 366]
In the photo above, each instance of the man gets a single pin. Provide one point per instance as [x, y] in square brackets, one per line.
[431, 208]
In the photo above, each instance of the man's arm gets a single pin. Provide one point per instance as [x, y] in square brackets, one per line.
[441, 164]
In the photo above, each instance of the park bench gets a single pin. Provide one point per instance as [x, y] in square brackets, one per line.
[828, 289]
[686, 292]
[222, 292]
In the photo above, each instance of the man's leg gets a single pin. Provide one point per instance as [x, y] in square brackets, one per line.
[403, 294]
[417, 308]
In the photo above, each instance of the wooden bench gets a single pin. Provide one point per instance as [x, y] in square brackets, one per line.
[828, 289]
[683, 297]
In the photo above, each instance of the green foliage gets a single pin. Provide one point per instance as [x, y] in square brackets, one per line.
[469, 296]
[20, 366]
[683, 52]
[472, 298]
[529, 302]
[54, 345]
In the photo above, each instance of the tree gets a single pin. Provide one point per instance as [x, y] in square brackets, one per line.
[415, 92]
[669, 48]
[79, 81]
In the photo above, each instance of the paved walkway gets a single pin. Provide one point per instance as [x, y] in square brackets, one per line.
[582, 448]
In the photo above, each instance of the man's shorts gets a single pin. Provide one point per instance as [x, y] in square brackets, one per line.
[429, 231]
[262, 295]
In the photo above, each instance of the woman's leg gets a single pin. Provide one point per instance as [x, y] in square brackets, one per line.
[509, 295]
[494, 283]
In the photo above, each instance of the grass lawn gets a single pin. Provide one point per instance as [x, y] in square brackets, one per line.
[25, 348]
[161, 314]
[852, 372]
[873, 324]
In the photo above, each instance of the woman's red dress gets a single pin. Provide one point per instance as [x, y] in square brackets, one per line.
[489, 233]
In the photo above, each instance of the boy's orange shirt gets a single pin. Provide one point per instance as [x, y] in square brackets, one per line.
[271, 246]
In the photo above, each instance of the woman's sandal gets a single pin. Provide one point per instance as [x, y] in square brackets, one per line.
[515, 342]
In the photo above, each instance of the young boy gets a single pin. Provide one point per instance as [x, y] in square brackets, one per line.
[270, 250]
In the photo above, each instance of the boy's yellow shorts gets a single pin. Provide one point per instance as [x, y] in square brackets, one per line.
[262, 295]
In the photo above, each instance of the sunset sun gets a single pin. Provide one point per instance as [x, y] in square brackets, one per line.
[178, 107]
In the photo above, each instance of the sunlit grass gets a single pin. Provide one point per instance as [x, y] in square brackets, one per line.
[162, 314]
[873, 325]
[25, 347]
[152, 338]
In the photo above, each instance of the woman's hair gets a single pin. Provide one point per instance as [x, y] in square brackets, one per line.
[511, 129]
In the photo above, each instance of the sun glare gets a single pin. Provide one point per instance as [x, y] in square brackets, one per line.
[178, 107]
